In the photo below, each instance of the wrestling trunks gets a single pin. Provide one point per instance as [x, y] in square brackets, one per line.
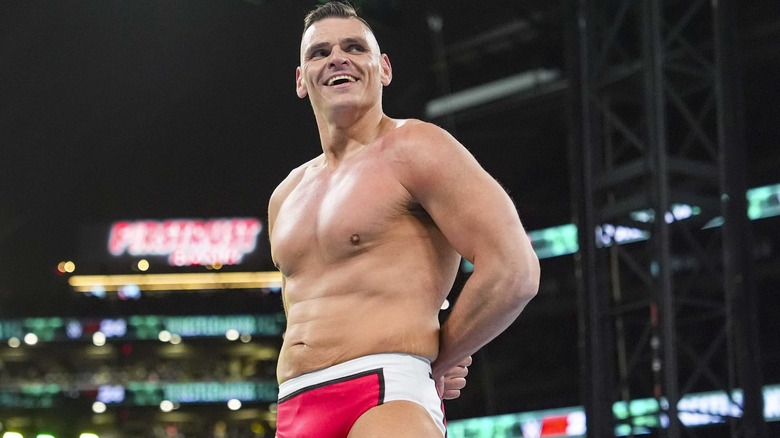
[326, 403]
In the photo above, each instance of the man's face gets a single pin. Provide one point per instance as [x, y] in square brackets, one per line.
[341, 65]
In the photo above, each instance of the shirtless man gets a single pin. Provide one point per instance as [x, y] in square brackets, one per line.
[368, 237]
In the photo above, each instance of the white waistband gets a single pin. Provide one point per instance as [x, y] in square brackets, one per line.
[351, 367]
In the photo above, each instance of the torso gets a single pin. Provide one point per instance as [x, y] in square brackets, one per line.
[366, 270]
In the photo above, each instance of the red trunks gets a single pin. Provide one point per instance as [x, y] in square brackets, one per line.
[330, 409]
[326, 403]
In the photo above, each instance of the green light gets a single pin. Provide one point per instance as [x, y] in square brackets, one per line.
[40, 389]
[11, 329]
[555, 241]
[45, 435]
[764, 202]
[516, 425]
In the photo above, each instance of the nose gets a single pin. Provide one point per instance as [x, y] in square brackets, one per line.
[337, 58]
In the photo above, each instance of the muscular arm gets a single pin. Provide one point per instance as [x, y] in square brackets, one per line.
[279, 195]
[277, 198]
[480, 221]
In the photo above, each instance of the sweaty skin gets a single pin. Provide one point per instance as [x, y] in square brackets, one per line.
[366, 269]
[368, 235]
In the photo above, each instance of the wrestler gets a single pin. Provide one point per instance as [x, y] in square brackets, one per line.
[368, 237]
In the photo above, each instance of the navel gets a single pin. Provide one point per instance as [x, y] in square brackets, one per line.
[355, 239]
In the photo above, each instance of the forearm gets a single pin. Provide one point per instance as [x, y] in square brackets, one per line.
[489, 302]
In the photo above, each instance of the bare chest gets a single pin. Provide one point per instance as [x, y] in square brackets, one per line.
[332, 216]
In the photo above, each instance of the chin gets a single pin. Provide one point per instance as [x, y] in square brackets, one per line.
[346, 105]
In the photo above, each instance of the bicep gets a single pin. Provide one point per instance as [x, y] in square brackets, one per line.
[469, 206]
[475, 214]
[280, 194]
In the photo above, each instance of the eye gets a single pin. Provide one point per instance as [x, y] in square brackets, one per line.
[319, 53]
[355, 48]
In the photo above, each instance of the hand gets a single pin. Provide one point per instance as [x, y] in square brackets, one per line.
[454, 380]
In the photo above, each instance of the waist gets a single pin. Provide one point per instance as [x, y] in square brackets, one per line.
[413, 363]
[325, 332]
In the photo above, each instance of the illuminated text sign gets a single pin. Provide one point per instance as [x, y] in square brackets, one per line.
[187, 242]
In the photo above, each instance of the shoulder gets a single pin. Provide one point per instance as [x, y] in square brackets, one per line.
[422, 153]
[415, 143]
[287, 185]
[294, 177]
[414, 132]
[433, 167]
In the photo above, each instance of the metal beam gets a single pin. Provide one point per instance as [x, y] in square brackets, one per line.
[655, 117]
[483, 94]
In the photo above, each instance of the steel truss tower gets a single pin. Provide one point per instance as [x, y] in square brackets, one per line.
[657, 157]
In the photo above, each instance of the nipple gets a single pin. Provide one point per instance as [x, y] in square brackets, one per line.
[355, 239]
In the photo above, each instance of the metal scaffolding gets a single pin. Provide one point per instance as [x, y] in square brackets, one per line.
[657, 160]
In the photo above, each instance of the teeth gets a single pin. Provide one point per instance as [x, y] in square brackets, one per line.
[339, 77]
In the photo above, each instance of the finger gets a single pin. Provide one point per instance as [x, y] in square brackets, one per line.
[457, 372]
[452, 389]
[466, 362]
[455, 383]
[451, 394]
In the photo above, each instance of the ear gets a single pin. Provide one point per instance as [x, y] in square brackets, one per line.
[387, 70]
[300, 85]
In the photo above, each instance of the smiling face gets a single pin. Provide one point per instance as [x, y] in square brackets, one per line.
[341, 66]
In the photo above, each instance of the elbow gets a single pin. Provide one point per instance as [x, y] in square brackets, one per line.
[526, 280]
[534, 278]
[513, 278]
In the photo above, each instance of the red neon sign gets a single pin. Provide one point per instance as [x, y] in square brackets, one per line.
[187, 242]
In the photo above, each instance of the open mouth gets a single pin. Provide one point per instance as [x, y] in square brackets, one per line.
[340, 79]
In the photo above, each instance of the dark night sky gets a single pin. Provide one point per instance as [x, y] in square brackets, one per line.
[118, 110]
[159, 109]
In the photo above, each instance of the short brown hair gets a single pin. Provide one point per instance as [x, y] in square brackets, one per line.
[332, 9]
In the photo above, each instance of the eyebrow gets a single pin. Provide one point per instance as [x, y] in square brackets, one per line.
[352, 40]
[325, 44]
[314, 47]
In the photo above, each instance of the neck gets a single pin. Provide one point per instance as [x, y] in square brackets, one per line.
[342, 132]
